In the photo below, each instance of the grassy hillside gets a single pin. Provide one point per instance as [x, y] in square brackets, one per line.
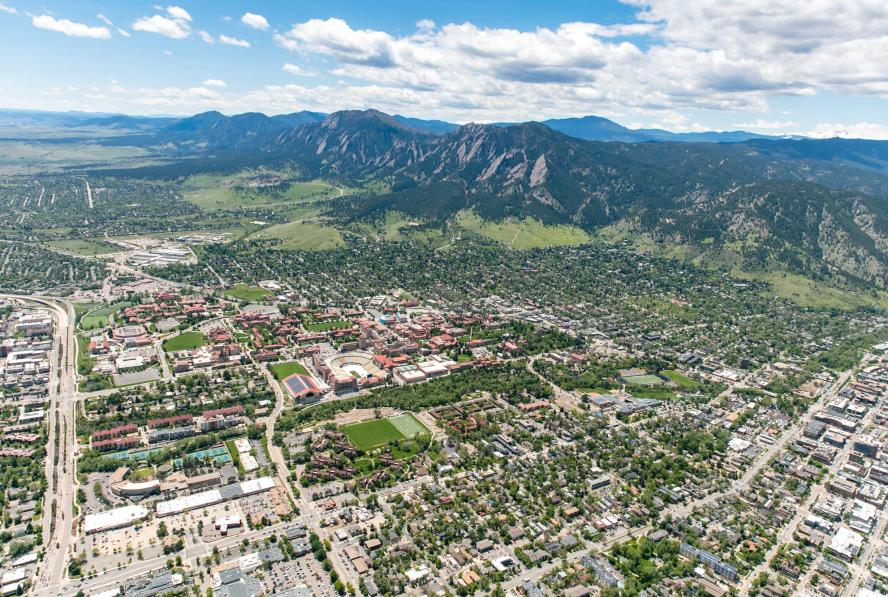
[802, 290]
[522, 234]
[305, 235]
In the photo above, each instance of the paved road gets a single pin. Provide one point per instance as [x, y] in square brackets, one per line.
[785, 534]
[861, 568]
[765, 457]
[534, 574]
[277, 456]
[60, 444]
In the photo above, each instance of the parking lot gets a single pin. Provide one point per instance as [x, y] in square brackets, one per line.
[302, 571]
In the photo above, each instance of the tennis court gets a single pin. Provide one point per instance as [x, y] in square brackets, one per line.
[137, 455]
[219, 454]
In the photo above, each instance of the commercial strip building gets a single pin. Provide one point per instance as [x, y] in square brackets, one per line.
[113, 519]
[214, 496]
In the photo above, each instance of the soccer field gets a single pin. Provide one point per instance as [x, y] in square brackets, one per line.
[378, 432]
[372, 434]
[409, 425]
[282, 371]
[644, 380]
[185, 341]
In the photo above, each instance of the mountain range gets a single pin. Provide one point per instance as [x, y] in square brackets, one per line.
[591, 128]
[816, 207]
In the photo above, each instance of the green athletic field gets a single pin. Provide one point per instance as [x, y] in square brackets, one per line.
[247, 293]
[282, 371]
[644, 380]
[186, 341]
[372, 434]
[409, 425]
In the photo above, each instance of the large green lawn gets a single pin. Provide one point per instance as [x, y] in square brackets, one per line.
[84, 246]
[285, 370]
[186, 341]
[246, 293]
[98, 318]
[681, 380]
[643, 380]
[522, 234]
[372, 434]
[409, 425]
[326, 326]
[305, 236]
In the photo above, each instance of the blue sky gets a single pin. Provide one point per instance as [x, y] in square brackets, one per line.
[776, 66]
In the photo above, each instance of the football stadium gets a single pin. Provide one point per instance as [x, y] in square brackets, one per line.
[358, 364]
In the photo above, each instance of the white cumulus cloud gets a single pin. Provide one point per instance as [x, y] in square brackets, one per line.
[295, 69]
[233, 41]
[179, 13]
[255, 21]
[163, 26]
[205, 37]
[725, 55]
[667, 60]
[176, 25]
[214, 83]
[8, 9]
[70, 27]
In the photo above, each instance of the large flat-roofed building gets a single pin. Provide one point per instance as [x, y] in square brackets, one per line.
[710, 560]
[408, 374]
[34, 324]
[214, 496]
[846, 544]
[113, 519]
[165, 434]
[302, 388]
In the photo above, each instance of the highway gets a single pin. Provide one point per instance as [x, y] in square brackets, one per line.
[61, 480]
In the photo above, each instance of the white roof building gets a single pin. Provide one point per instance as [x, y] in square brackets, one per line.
[214, 496]
[114, 519]
[415, 575]
[846, 544]
[13, 576]
[863, 516]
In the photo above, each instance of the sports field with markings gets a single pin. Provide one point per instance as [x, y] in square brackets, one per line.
[369, 435]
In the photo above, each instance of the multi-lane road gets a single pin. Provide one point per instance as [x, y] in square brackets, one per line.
[60, 472]
[58, 526]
